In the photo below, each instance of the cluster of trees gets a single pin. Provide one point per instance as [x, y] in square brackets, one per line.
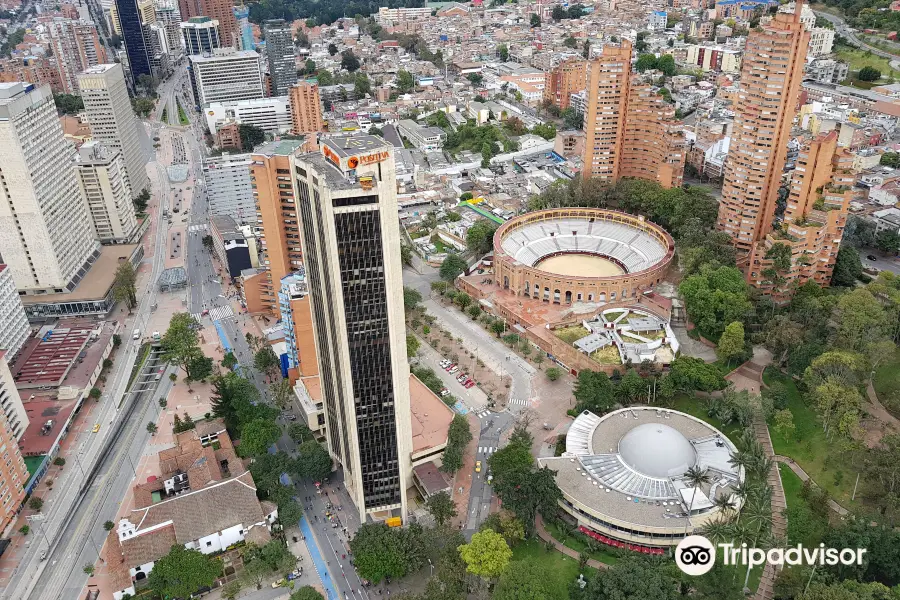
[383, 552]
[318, 13]
[866, 14]
[68, 104]
[576, 11]
[458, 436]
[649, 62]
[251, 136]
[715, 298]
[140, 201]
[480, 237]
[125, 285]
[524, 489]
[181, 347]
[868, 73]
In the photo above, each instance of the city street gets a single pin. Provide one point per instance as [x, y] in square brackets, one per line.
[493, 425]
[72, 515]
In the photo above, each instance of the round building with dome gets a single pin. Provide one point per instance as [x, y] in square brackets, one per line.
[622, 476]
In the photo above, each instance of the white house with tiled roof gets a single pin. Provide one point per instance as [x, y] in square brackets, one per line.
[148, 533]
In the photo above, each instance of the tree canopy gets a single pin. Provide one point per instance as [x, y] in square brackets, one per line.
[181, 343]
[381, 551]
[452, 267]
[182, 572]
[486, 555]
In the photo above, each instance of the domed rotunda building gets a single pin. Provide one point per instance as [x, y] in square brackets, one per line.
[622, 476]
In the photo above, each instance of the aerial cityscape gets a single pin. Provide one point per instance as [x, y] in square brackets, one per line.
[445, 300]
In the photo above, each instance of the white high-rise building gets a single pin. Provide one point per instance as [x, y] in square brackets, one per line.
[13, 322]
[101, 175]
[112, 119]
[11, 402]
[347, 196]
[229, 189]
[45, 231]
[226, 75]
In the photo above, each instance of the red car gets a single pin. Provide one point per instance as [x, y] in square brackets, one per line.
[469, 384]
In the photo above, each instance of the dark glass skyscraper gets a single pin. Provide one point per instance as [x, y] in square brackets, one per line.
[135, 41]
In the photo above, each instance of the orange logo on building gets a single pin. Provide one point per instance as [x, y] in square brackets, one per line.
[352, 162]
[330, 155]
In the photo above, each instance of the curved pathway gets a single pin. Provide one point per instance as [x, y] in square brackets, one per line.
[799, 472]
[545, 536]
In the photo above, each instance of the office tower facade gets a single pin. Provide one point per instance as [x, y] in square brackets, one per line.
[347, 196]
[219, 10]
[280, 249]
[76, 47]
[13, 422]
[112, 119]
[226, 75]
[245, 30]
[280, 54]
[201, 35]
[45, 230]
[228, 187]
[306, 108]
[814, 220]
[104, 183]
[13, 322]
[770, 83]
[296, 319]
[565, 79]
[630, 130]
[136, 44]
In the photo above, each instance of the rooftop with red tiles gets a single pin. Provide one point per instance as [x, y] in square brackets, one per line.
[47, 358]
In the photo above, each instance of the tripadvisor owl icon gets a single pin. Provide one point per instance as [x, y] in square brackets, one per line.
[695, 555]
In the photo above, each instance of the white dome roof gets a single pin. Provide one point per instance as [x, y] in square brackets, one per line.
[657, 450]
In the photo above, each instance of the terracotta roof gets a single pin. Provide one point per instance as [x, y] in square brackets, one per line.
[234, 501]
[117, 570]
[149, 546]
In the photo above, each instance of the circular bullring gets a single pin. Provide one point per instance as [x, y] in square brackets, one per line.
[567, 255]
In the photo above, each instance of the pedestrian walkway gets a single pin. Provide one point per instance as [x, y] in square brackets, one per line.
[216, 313]
[482, 413]
[486, 450]
[195, 228]
[799, 472]
[318, 561]
[526, 402]
[545, 535]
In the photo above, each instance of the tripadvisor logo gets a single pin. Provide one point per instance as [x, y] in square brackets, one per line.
[696, 555]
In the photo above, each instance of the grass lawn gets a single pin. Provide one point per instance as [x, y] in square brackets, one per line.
[696, 407]
[562, 569]
[570, 335]
[792, 485]
[182, 117]
[808, 445]
[612, 316]
[608, 355]
[887, 381]
[858, 59]
[32, 463]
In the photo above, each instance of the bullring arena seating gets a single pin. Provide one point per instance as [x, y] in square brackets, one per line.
[636, 250]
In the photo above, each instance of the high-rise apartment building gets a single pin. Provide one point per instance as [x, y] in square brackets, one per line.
[280, 54]
[13, 322]
[76, 47]
[112, 119]
[280, 249]
[137, 46]
[771, 75]
[296, 319]
[244, 28]
[228, 187]
[306, 108]
[45, 230]
[219, 10]
[604, 121]
[201, 35]
[226, 75]
[814, 220]
[347, 196]
[630, 130]
[565, 79]
[104, 183]
[653, 145]
[13, 422]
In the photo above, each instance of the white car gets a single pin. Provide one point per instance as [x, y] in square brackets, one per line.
[454, 370]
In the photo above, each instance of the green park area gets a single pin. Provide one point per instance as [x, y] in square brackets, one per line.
[857, 59]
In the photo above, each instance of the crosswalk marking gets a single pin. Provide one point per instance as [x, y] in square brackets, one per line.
[520, 401]
[483, 413]
[217, 313]
[485, 450]
[201, 227]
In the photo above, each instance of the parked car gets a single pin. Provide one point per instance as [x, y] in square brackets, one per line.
[469, 384]
[462, 378]
[872, 257]
[445, 392]
[449, 367]
[454, 370]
